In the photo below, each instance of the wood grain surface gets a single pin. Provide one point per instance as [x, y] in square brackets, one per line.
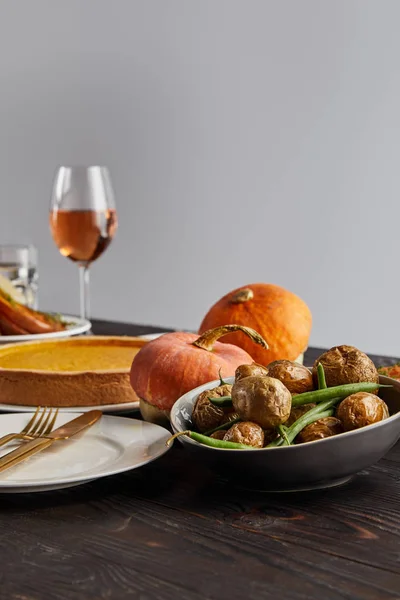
[173, 530]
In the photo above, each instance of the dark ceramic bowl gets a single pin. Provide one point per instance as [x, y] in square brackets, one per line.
[323, 463]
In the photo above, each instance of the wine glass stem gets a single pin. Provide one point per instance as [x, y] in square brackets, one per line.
[84, 291]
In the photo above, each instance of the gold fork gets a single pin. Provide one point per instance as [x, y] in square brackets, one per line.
[41, 424]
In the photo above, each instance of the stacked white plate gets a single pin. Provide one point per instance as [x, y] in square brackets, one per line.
[113, 445]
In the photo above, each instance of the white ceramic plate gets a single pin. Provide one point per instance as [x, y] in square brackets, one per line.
[113, 445]
[77, 327]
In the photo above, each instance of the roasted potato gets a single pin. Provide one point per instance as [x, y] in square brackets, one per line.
[262, 400]
[247, 433]
[253, 370]
[346, 364]
[320, 429]
[294, 376]
[361, 409]
[218, 435]
[205, 415]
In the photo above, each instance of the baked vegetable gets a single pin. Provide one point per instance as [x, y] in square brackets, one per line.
[247, 433]
[218, 435]
[207, 415]
[346, 364]
[263, 400]
[360, 410]
[18, 319]
[294, 376]
[320, 429]
[253, 370]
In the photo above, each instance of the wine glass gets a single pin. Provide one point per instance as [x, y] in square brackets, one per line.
[83, 219]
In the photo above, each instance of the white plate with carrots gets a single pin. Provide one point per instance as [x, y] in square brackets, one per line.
[19, 323]
[73, 326]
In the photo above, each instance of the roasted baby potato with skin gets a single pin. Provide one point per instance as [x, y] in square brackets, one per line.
[205, 415]
[294, 376]
[320, 429]
[346, 364]
[253, 370]
[262, 400]
[360, 410]
[298, 411]
[218, 435]
[247, 433]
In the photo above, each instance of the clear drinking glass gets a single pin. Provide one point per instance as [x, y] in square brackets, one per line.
[18, 265]
[83, 219]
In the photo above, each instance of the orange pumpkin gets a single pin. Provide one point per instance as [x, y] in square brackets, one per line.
[278, 315]
[175, 363]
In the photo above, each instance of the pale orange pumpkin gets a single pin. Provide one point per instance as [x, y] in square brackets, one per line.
[175, 363]
[278, 315]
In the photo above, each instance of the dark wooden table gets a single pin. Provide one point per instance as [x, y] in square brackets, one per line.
[173, 530]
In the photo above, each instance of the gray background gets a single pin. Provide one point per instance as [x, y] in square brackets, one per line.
[247, 140]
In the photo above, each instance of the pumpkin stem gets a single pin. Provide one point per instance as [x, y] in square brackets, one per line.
[207, 340]
[173, 437]
[242, 296]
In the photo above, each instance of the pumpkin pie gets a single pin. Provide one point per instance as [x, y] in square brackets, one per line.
[83, 371]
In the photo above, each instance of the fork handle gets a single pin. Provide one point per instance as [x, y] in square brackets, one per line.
[15, 436]
[23, 452]
[8, 438]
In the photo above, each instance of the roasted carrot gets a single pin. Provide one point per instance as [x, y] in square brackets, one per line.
[9, 328]
[26, 319]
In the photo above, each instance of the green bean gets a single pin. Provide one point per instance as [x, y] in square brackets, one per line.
[311, 419]
[283, 433]
[341, 391]
[221, 401]
[300, 426]
[314, 414]
[209, 441]
[321, 377]
[226, 425]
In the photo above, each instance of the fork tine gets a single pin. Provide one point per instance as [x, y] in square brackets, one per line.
[44, 424]
[26, 429]
[38, 423]
[50, 426]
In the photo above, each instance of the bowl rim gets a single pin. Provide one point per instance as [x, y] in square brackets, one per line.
[229, 380]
